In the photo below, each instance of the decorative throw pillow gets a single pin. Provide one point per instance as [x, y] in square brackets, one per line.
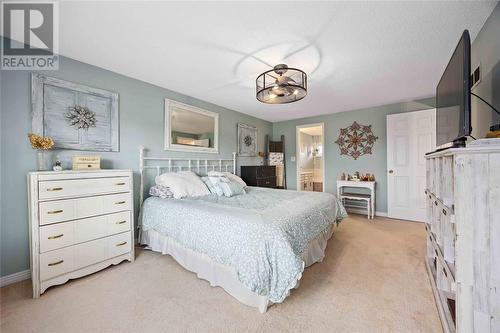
[161, 192]
[209, 184]
[231, 189]
[231, 176]
[216, 180]
[183, 184]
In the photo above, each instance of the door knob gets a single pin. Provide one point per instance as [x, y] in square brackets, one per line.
[391, 171]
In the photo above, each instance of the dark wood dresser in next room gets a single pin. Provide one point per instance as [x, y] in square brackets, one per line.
[259, 175]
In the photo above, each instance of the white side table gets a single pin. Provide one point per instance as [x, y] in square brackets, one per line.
[341, 184]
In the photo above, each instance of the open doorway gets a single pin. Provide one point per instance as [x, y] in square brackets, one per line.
[310, 157]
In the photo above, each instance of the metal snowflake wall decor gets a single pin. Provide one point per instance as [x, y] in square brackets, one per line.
[248, 140]
[356, 140]
[81, 117]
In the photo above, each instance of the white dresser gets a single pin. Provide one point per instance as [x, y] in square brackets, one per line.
[463, 236]
[80, 223]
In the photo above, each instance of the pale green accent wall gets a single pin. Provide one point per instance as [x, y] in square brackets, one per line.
[141, 123]
[486, 52]
[335, 163]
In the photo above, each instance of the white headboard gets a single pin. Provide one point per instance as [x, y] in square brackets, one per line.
[201, 166]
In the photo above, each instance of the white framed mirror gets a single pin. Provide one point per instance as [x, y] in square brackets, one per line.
[190, 129]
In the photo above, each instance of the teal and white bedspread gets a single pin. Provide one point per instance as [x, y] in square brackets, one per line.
[261, 234]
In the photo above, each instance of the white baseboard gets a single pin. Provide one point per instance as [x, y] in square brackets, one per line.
[13, 278]
[362, 211]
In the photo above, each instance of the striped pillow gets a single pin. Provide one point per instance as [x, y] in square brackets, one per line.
[231, 189]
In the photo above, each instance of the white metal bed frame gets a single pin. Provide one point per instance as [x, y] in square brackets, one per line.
[197, 165]
[216, 274]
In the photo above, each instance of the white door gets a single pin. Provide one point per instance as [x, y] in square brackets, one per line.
[410, 136]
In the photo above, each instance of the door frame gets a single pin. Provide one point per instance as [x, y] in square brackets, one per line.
[297, 152]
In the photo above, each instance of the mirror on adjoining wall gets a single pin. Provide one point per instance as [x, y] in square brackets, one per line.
[188, 128]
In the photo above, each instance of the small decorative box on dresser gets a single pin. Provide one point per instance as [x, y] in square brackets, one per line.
[80, 223]
[259, 175]
[463, 236]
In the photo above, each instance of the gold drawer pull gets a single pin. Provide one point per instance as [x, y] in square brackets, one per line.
[54, 189]
[57, 236]
[55, 211]
[120, 184]
[56, 263]
[119, 202]
[121, 222]
[121, 244]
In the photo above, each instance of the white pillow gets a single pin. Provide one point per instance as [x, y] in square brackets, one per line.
[231, 176]
[183, 184]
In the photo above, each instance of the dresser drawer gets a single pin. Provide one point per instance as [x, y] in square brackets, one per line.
[71, 209]
[101, 226]
[56, 262]
[90, 252]
[118, 223]
[61, 261]
[119, 244]
[56, 236]
[57, 189]
[267, 182]
[265, 171]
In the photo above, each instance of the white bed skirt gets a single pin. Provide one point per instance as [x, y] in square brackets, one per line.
[224, 276]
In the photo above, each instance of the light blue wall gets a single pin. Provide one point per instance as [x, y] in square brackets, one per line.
[335, 163]
[141, 122]
[486, 52]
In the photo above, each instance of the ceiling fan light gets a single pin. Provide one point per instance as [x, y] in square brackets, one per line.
[281, 85]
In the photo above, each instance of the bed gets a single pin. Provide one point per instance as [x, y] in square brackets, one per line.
[255, 246]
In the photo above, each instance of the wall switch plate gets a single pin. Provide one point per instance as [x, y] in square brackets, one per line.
[292, 158]
[475, 77]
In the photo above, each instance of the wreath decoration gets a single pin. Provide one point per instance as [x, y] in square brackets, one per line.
[80, 117]
[248, 140]
[356, 140]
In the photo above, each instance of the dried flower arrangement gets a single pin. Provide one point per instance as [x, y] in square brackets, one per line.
[40, 142]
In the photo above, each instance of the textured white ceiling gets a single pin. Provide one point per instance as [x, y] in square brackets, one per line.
[357, 54]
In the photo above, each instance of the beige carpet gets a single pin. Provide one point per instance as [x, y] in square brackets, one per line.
[373, 279]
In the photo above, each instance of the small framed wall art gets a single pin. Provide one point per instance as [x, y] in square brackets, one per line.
[247, 140]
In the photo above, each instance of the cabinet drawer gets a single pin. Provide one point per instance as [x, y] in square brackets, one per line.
[118, 223]
[101, 226]
[56, 236]
[56, 262]
[90, 252]
[71, 209]
[57, 189]
[265, 171]
[119, 244]
[267, 182]
[57, 211]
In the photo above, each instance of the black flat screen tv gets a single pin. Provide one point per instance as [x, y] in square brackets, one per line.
[453, 95]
